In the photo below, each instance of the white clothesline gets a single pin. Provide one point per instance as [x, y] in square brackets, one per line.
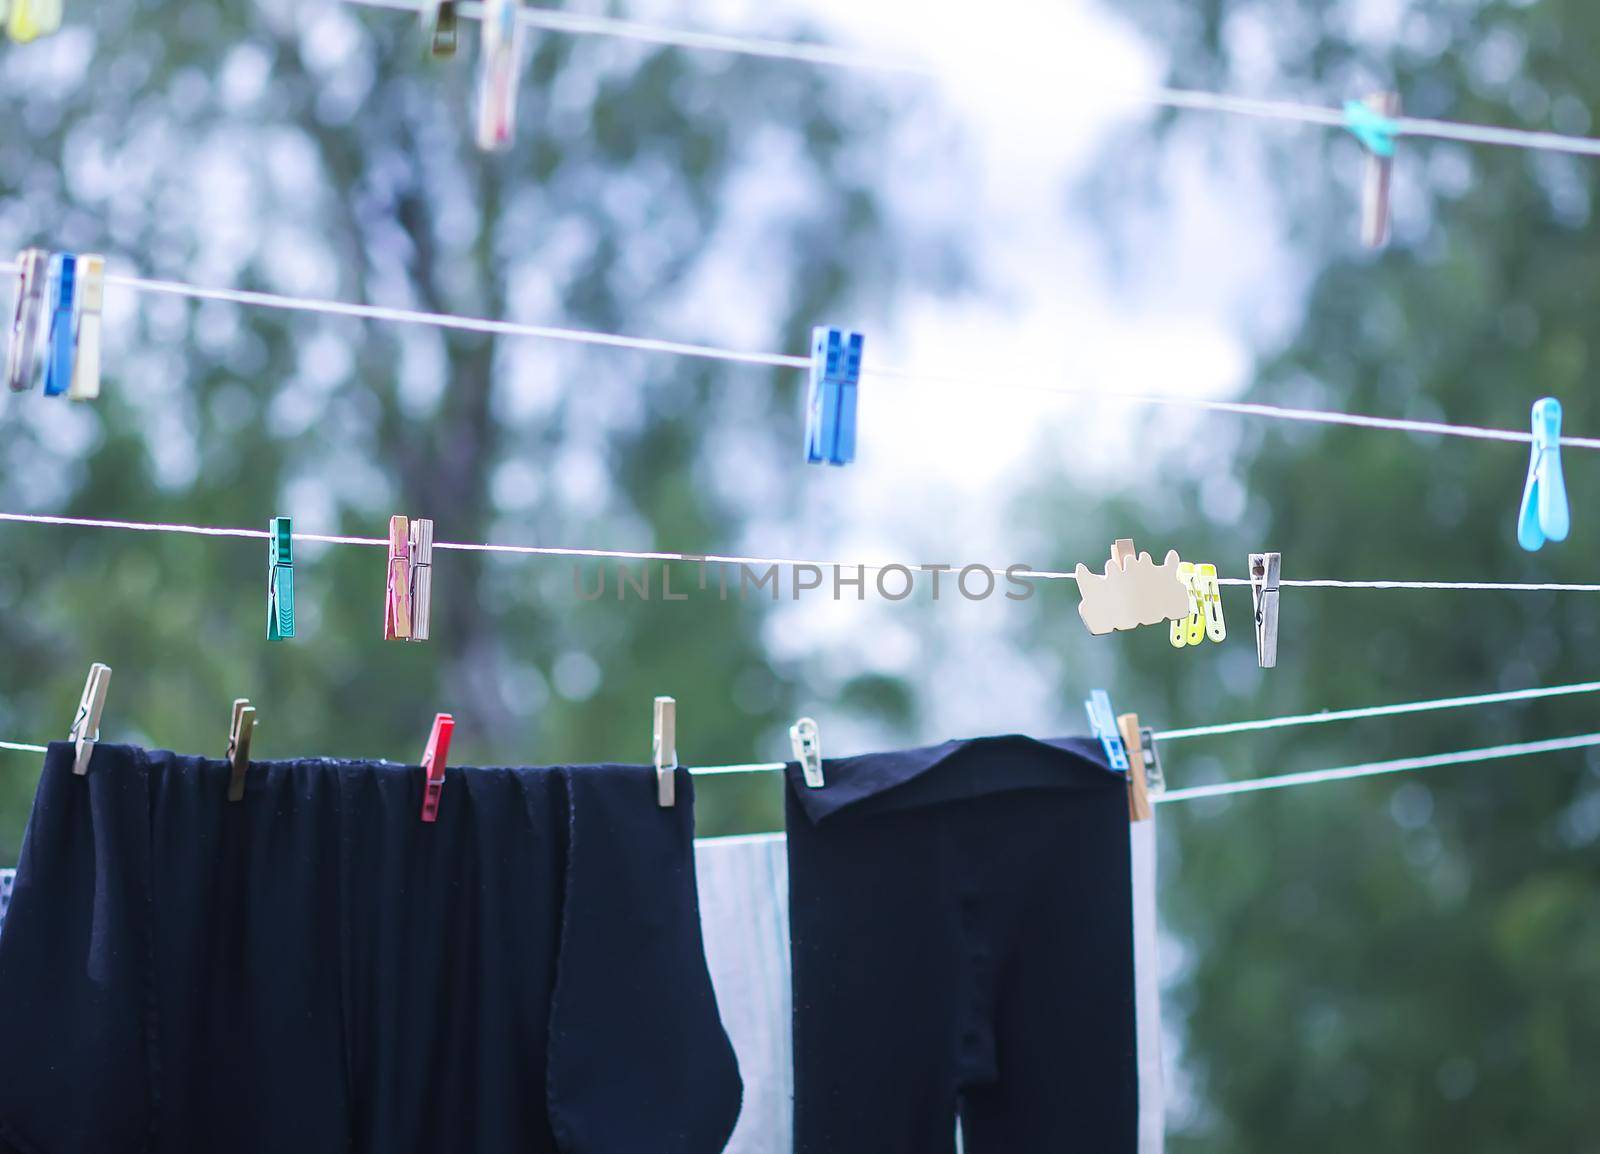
[1191, 100]
[763, 562]
[870, 370]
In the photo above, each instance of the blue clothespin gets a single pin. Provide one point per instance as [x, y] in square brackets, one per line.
[1103, 723]
[63, 339]
[831, 405]
[280, 579]
[1373, 122]
[1371, 127]
[1544, 516]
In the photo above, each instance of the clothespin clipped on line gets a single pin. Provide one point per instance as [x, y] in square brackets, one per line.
[1145, 779]
[433, 765]
[806, 741]
[85, 731]
[27, 324]
[1133, 591]
[1373, 122]
[239, 734]
[421, 578]
[664, 746]
[91, 275]
[499, 74]
[1205, 607]
[439, 25]
[30, 19]
[397, 595]
[280, 579]
[1545, 515]
[62, 339]
[1103, 725]
[832, 397]
[1264, 577]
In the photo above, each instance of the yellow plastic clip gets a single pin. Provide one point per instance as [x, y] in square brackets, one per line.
[31, 19]
[1190, 630]
[1210, 592]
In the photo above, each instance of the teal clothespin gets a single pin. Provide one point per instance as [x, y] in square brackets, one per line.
[1103, 723]
[1373, 122]
[280, 579]
[62, 342]
[1545, 515]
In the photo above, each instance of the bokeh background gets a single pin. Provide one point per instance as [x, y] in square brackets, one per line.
[1398, 964]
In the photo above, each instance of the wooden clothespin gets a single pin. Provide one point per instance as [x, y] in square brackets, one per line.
[439, 25]
[86, 722]
[831, 402]
[499, 74]
[91, 303]
[61, 343]
[239, 734]
[1545, 514]
[1103, 724]
[1264, 576]
[1133, 591]
[806, 741]
[280, 579]
[421, 578]
[397, 599]
[22, 355]
[1145, 779]
[434, 758]
[1373, 122]
[665, 747]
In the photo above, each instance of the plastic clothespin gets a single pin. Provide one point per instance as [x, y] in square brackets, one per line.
[1133, 591]
[1210, 590]
[61, 343]
[1264, 570]
[397, 598]
[22, 354]
[1190, 630]
[239, 734]
[831, 402]
[1103, 724]
[433, 765]
[86, 722]
[1545, 515]
[91, 274]
[1373, 122]
[499, 74]
[280, 579]
[31, 19]
[421, 579]
[806, 741]
[439, 24]
[664, 745]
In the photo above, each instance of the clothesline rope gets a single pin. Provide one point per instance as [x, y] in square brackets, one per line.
[321, 306]
[1191, 100]
[733, 559]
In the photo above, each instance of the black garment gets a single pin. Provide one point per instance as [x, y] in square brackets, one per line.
[962, 937]
[315, 970]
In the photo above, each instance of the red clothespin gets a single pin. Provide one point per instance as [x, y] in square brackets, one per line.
[433, 762]
[397, 601]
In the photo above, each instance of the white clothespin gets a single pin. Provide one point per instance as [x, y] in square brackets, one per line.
[499, 74]
[27, 323]
[806, 740]
[1264, 570]
[239, 734]
[91, 301]
[665, 745]
[86, 723]
[421, 578]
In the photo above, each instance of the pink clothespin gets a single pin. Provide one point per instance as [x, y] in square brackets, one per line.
[397, 601]
[433, 762]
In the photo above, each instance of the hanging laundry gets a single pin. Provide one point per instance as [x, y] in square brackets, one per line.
[323, 971]
[962, 940]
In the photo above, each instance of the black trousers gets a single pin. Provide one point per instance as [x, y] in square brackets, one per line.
[314, 970]
[962, 937]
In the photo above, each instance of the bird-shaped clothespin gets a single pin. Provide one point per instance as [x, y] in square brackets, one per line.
[1545, 515]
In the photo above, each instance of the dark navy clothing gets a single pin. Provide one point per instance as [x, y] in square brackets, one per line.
[316, 970]
[962, 940]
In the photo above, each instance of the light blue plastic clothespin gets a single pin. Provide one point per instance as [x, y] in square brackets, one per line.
[280, 579]
[831, 404]
[63, 339]
[1103, 723]
[1545, 515]
[1372, 128]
